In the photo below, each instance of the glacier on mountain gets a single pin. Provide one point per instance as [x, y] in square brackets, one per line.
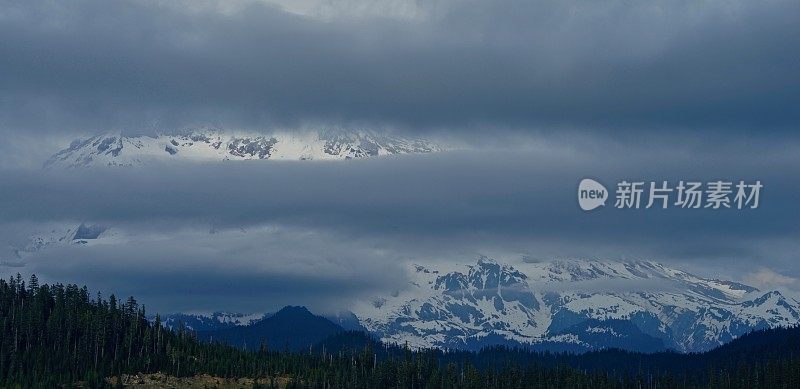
[573, 305]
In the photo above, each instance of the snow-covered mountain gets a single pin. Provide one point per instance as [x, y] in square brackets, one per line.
[214, 145]
[83, 234]
[572, 305]
[211, 321]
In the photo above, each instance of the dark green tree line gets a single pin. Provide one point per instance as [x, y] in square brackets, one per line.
[56, 335]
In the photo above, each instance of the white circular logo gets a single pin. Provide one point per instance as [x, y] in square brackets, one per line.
[591, 194]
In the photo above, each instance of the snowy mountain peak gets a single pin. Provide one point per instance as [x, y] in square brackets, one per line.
[572, 305]
[116, 149]
[83, 233]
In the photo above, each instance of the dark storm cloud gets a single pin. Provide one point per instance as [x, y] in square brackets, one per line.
[93, 65]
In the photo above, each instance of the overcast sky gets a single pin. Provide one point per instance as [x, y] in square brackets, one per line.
[536, 94]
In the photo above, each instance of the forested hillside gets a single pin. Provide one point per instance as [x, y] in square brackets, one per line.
[59, 335]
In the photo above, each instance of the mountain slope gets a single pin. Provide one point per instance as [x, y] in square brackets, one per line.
[752, 348]
[293, 327]
[573, 305]
[114, 149]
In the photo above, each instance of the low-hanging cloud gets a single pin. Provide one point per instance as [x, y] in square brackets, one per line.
[257, 270]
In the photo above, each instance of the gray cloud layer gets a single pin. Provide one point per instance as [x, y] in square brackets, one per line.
[90, 65]
[374, 214]
[498, 192]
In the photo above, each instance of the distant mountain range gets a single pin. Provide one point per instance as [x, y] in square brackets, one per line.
[554, 306]
[115, 149]
[574, 305]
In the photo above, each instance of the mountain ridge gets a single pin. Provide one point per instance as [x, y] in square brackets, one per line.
[118, 149]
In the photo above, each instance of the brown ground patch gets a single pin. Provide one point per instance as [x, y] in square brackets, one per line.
[160, 380]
